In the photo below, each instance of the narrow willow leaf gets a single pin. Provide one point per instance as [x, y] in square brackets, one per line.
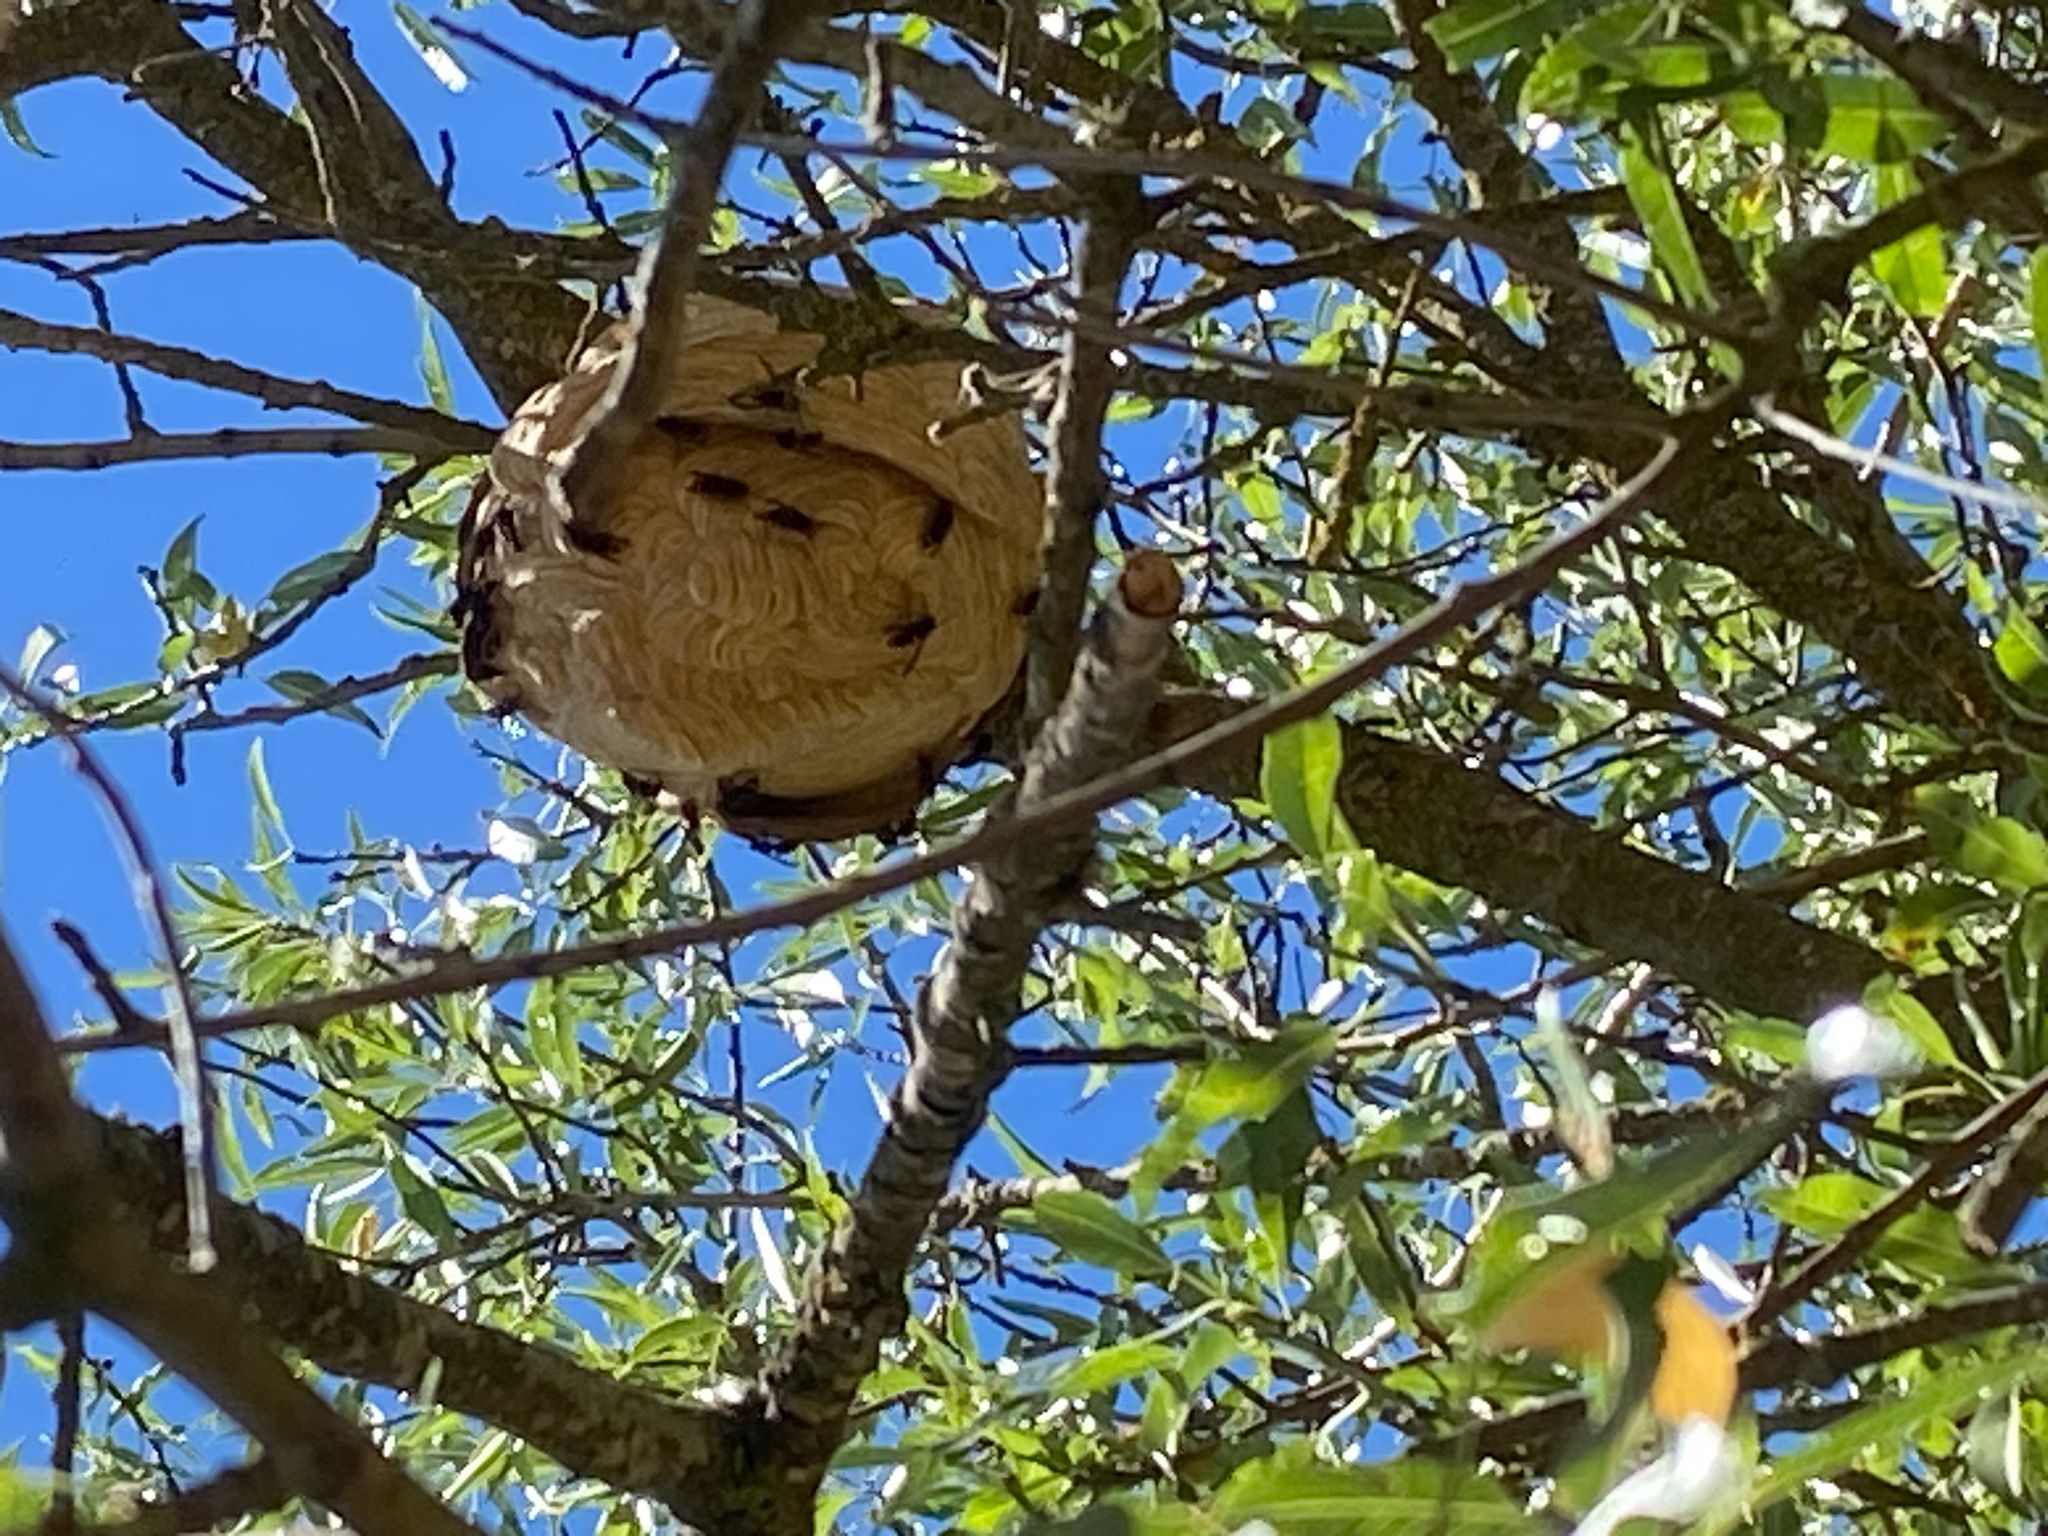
[1659, 205]
[1528, 1241]
[2037, 272]
[433, 366]
[1100, 1368]
[1404, 1498]
[17, 131]
[1259, 1078]
[1093, 1230]
[1944, 1394]
[1914, 269]
[1299, 767]
[1472, 30]
[427, 44]
[2021, 651]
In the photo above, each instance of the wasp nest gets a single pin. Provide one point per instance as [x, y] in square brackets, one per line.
[799, 608]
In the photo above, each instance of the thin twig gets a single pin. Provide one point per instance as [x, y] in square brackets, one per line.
[343, 690]
[1210, 165]
[222, 443]
[24, 332]
[147, 888]
[62, 1519]
[1833, 447]
[1958, 1152]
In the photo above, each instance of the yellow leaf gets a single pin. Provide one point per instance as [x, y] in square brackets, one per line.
[1570, 1315]
[1696, 1373]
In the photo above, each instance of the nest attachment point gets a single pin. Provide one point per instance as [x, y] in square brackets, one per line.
[798, 610]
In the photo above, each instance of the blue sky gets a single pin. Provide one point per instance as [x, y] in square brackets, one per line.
[305, 310]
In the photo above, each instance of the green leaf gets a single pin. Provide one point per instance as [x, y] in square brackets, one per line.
[1274, 1151]
[303, 687]
[1472, 30]
[433, 367]
[308, 579]
[433, 52]
[1998, 1445]
[1211, 1347]
[1260, 1077]
[626, 143]
[1028, 1162]
[177, 568]
[259, 788]
[1886, 997]
[1412, 1497]
[17, 131]
[2009, 853]
[130, 705]
[1914, 269]
[1266, 123]
[1357, 27]
[1530, 1237]
[2037, 275]
[1100, 1368]
[1871, 119]
[1926, 1241]
[42, 640]
[1299, 768]
[1658, 204]
[2021, 652]
[1093, 1230]
[1586, 73]
[1996, 848]
[1877, 119]
[492, 1455]
[1165, 1407]
[1943, 1394]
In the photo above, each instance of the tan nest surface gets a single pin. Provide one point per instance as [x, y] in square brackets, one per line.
[800, 607]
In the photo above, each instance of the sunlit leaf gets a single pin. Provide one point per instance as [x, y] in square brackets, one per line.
[1299, 770]
[1885, 1425]
[427, 43]
[1915, 269]
[1093, 1230]
[1469, 31]
[1659, 205]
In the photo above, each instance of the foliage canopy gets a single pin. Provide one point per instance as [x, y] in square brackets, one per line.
[1464, 1005]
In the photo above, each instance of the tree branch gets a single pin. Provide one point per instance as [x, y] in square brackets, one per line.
[756, 39]
[516, 326]
[1074, 479]
[854, 1299]
[222, 443]
[592, 1423]
[70, 1216]
[22, 332]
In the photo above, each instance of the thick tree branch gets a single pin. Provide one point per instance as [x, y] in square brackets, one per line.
[1464, 827]
[1945, 71]
[343, 1322]
[855, 1298]
[73, 1219]
[370, 172]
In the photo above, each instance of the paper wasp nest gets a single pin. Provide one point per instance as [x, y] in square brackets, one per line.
[799, 609]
